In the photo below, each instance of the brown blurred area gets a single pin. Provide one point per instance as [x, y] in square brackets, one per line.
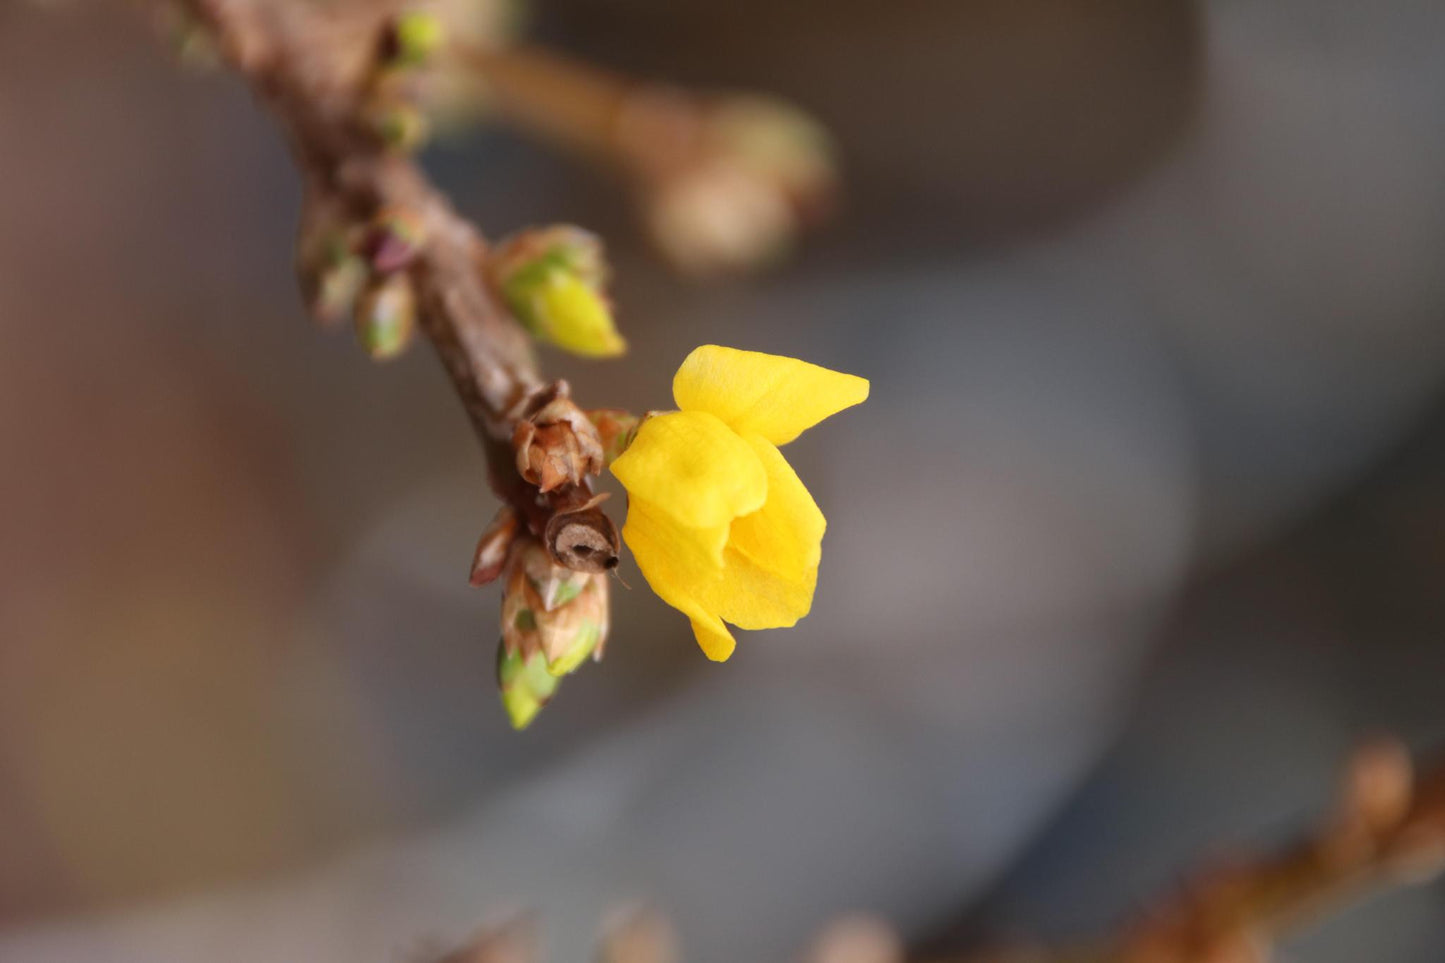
[161, 537]
[1138, 531]
[155, 548]
[970, 123]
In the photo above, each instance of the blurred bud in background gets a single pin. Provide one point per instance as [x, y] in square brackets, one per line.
[729, 185]
[457, 96]
[386, 317]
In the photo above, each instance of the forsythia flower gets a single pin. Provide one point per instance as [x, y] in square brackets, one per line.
[719, 523]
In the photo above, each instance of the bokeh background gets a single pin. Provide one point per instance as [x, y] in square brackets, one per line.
[1142, 528]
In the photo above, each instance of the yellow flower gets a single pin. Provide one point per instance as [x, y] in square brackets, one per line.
[719, 523]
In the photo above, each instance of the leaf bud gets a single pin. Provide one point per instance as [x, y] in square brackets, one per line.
[553, 281]
[415, 37]
[386, 317]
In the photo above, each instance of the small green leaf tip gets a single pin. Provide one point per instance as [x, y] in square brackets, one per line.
[525, 684]
[554, 282]
[416, 36]
[386, 317]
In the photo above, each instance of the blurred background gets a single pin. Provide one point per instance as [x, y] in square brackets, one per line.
[1142, 528]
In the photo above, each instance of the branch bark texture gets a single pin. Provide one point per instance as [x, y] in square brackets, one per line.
[314, 64]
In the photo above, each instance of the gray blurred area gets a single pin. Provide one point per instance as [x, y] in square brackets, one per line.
[1141, 529]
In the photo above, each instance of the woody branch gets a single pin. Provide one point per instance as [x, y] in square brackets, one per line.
[1387, 829]
[313, 66]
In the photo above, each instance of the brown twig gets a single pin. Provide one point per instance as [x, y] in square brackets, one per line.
[312, 65]
[1388, 829]
[646, 127]
[724, 181]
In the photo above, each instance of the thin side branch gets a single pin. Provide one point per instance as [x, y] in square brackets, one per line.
[1388, 829]
[725, 181]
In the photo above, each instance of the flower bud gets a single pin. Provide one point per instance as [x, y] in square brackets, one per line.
[557, 444]
[457, 94]
[762, 171]
[719, 217]
[495, 546]
[330, 273]
[396, 122]
[386, 317]
[552, 620]
[394, 239]
[415, 37]
[552, 610]
[615, 428]
[552, 280]
[778, 141]
[330, 284]
[193, 42]
[337, 289]
[525, 685]
[577, 629]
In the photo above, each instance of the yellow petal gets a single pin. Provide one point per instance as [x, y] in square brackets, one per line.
[693, 467]
[677, 563]
[785, 536]
[770, 564]
[763, 394]
[752, 597]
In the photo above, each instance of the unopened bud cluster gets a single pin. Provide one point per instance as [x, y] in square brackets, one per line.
[758, 171]
[616, 428]
[554, 280]
[553, 619]
[360, 270]
[557, 444]
[392, 110]
[192, 42]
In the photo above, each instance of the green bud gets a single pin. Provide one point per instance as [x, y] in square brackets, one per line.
[582, 643]
[196, 49]
[398, 124]
[576, 629]
[416, 36]
[386, 317]
[394, 239]
[495, 546]
[339, 288]
[777, 139]
[553, 619]
[328, 268]
[525, 685]
[194, 44]
[616, 428]
[553, 281]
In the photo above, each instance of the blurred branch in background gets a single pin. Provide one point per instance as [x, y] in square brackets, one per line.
[1387, 829]
[338, 79]
[724, 182]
